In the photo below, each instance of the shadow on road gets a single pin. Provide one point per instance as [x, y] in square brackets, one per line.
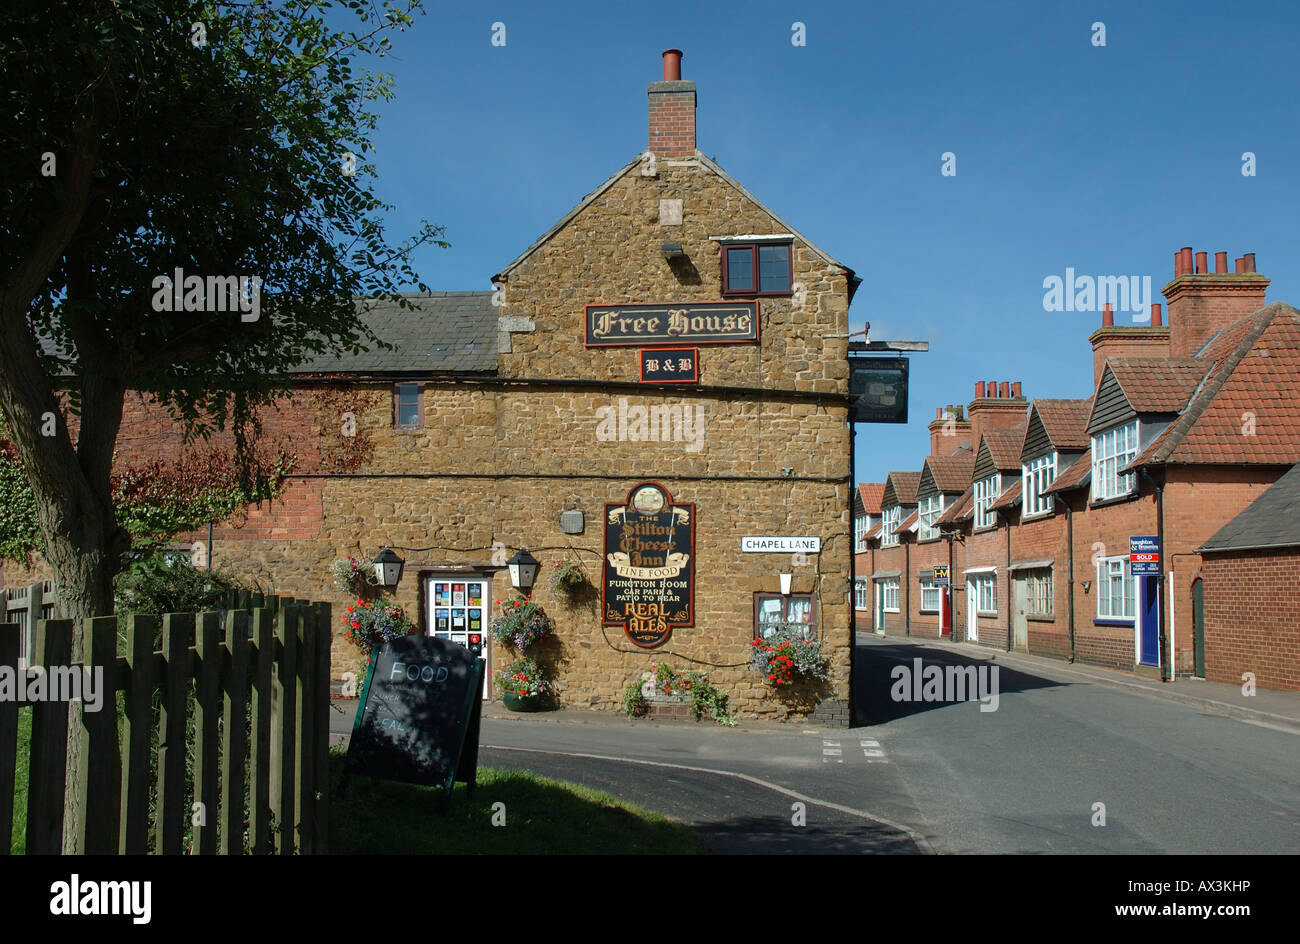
[875, 682]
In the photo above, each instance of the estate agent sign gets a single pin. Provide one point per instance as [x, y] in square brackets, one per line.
[684, 323]
[649, 581]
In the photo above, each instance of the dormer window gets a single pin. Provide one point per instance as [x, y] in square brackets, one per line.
[1112, 451]
[750, 269]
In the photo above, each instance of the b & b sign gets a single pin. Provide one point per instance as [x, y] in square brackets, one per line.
[419, 714]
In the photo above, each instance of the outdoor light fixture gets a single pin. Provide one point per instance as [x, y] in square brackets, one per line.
[785, 584]
[673, 250]
[1086, 585]
[523, 571]
[388, 568]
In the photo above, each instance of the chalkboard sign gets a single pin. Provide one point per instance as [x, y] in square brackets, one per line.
[418, 719]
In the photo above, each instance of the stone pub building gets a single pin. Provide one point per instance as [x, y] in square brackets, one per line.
[666, 364]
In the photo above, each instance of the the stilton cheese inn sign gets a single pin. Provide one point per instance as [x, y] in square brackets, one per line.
[689, 323]
[649, 582]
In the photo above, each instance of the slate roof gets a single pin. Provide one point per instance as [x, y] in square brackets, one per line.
[951, 473]
[870, 493]
[446, 332]
[1066, 422]
[1272, 520]
[1005, 445]
[1251, 387]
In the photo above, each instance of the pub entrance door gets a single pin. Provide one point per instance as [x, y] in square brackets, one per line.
[456, 607]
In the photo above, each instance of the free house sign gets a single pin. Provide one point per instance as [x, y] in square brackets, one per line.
[649, 582]
[674, 323]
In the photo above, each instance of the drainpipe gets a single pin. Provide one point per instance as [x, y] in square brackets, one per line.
[907, 586]
[952, 597]
[1069, 567]
[1166, 670]
[1010, 600]
[853, 571]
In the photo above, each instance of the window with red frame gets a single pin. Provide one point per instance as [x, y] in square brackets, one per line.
[756, 269]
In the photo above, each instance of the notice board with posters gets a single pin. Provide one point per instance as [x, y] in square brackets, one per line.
[648, 586]
[419, 715]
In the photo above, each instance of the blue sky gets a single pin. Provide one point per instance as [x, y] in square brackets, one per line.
[1103, 159]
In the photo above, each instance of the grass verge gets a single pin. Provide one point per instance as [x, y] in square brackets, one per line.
[542, 816]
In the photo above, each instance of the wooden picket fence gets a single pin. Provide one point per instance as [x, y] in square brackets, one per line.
[242, 691]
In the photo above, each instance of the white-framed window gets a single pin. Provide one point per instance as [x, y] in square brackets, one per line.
[891, 519]
[1038, 592]
[930, 596]
[1111, 451]
[1036, 476]
[986, 492]
[860, 595]
[861, 525]
[985, 595]
[931, 507]
[887, 588]
[1116, 590]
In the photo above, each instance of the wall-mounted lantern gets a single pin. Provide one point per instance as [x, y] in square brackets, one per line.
[523, 571]
[388, 568]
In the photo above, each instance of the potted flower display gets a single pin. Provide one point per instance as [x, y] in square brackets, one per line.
[353, 576]
[785, 656]
[523, 686]
[522, 624]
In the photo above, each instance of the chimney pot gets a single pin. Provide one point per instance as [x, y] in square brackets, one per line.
[938, 412]
[672, 65]
[992, 390]
[1015, 389]
[1201, 265]
[1249, 259]
[1107, 316]
[1178, 263]
[1239, 266]
[979, 389]
[1221, 262]
[1004, 389]
[1156, 319]
[1187, 259]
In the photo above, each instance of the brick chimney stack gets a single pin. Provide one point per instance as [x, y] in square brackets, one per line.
[1138, 340]
[1202, 302]
[672, 111]
[996, 406]
[958, 430]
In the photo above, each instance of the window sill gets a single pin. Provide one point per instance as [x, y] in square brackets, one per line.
[743, 296]
[1040, 619]
[989, 614]
[1116, 500]
[1109, 621]
[1036, 515]
[893, 611]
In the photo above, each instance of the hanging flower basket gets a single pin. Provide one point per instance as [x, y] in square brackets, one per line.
[568, 578]
[522, 624]
[370, 623]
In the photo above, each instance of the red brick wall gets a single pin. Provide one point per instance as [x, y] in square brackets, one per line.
[1252, 617]
[1045, 538]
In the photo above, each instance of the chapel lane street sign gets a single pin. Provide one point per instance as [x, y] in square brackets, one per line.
[780, 545]
[677, 323]
[877, 389]
[1144, 555]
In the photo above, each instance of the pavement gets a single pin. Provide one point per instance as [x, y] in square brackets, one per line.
[1265, 706]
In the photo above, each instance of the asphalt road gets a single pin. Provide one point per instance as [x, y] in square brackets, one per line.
[943, 777]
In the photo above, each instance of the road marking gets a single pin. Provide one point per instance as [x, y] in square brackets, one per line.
[917, 839]
[872, 751]
[831, 748]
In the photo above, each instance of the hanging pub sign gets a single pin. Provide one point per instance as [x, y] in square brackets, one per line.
[670, 365]
[649, 581]
[877, 389]
[677, 323]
